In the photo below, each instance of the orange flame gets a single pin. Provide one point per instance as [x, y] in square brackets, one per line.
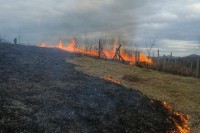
[111, 80]
[182, 124]
[60, 44]
[107, 53]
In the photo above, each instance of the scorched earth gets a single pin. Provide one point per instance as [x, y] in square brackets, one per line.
[41, 92]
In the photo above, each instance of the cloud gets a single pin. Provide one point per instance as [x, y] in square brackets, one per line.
[178, 47]
[39, 20]
[194, 8]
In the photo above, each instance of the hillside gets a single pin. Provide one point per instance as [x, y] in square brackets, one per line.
[192, 57]
[41, 92]
[182, 93]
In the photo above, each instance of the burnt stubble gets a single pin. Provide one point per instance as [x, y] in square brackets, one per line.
[41, 92]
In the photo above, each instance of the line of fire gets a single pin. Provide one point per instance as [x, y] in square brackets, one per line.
[117, 52]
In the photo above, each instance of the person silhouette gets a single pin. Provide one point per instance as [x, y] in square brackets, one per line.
[15, 40]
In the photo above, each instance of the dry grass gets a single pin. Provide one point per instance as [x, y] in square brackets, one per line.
[182, 93]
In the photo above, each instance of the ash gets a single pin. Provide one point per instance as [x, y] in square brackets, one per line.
[41, 92]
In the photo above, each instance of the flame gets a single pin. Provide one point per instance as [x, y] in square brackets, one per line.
[182, 123]
[111, 80]
[106, 53]
[60, 44]
[71, 46]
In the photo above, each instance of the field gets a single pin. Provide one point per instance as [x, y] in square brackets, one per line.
[41, 92]
[182, 93]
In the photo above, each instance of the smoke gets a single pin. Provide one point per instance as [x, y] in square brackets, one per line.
[111, 17]
[40, 20]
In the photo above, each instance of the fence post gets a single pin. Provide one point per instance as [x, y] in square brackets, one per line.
[198, 69]
[138, 56]
[191, 66]
[170, 60]
[164, 61]
[175, 62]
[158, 57]
[99, 48]
[153, 59]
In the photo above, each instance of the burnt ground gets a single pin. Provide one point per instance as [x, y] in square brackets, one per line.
[41, 92]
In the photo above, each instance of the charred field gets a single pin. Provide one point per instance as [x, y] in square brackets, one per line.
[41, 92]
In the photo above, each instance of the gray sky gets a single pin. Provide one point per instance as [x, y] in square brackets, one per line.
[174, 25]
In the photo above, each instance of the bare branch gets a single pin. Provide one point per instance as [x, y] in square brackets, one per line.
[152, 44]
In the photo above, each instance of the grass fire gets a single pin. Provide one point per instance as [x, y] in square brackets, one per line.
[180, 121]
[57, 93]
[108, 53]
[176, 88]
[99, 66]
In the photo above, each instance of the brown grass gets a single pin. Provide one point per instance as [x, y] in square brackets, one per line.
[182, 93]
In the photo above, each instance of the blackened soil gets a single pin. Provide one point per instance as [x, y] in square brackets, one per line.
[41, 92]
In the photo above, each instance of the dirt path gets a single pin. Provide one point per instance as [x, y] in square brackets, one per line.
[41, 92]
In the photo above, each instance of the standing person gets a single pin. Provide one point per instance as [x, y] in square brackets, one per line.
[15, 40]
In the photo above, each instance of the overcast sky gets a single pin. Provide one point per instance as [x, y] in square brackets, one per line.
[173, 25]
